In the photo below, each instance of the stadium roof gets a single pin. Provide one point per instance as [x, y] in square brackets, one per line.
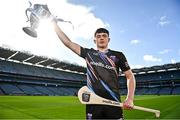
[25, 57]
[158, 68]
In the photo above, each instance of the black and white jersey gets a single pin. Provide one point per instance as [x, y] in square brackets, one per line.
[103, 71]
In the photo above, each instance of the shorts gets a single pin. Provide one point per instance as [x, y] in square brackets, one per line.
[103, 112]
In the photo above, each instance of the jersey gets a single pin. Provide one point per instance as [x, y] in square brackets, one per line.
[103, 71]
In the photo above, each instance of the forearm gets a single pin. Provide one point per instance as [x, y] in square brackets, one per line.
[65, 40]
[131, 85]
[62, 36]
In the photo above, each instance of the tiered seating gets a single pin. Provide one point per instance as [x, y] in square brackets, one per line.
[29, 90]
[123, 91]
[44, 90]
[165, 91]
[153, 91]
[11, 89]
[34, 80]
[155, 83]
[141, 91]
[18, 78]
[159, 76]
[66, 91]
[176, 91]
[56, 90]
[1, 92]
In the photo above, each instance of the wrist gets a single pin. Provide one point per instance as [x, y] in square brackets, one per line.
[130, 98]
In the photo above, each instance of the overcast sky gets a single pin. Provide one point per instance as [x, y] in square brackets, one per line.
[146, 31]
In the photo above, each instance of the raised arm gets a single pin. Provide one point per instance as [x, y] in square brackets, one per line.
[65, 40]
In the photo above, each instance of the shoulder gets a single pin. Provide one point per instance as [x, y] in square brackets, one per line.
[117, 53]
[85, 51]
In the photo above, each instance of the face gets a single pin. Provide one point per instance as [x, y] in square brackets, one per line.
[102, 40]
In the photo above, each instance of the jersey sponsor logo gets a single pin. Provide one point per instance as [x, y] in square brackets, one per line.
[99, 64]
[113, 58]
[111, 102]
[95, 53]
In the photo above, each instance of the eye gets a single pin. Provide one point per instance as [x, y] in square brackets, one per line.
[104, 35]
[98, 36]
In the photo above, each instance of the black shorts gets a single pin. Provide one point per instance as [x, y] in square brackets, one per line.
[103, 112]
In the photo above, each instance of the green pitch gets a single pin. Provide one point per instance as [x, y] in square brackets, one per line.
[61, 107]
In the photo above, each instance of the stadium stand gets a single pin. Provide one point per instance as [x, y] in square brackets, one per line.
[11, 89]
[176, 90]
[1, 93]
[22, 73]
[161, 80]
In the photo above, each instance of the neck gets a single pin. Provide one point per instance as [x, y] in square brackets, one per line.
[102, 49]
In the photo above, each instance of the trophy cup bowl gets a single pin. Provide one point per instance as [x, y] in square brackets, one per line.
[38, 12]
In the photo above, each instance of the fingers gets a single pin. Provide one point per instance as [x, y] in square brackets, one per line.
[127, 106]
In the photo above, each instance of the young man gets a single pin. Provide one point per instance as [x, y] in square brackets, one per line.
[102, 74]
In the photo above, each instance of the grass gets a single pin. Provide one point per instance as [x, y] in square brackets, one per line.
[69, 107]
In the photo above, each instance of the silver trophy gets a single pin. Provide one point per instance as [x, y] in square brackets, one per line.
[38, 12]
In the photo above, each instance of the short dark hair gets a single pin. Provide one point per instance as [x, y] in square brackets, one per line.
[101, 30]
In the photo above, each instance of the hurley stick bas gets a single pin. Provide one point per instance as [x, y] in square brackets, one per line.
[86, 96]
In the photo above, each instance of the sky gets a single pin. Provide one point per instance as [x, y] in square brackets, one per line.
[146, 31]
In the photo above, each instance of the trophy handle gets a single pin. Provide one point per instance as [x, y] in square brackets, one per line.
[28, 10]
[62, 20]
[30, 4]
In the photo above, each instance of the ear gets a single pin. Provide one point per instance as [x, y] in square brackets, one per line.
[94, 41]
[108, 39]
